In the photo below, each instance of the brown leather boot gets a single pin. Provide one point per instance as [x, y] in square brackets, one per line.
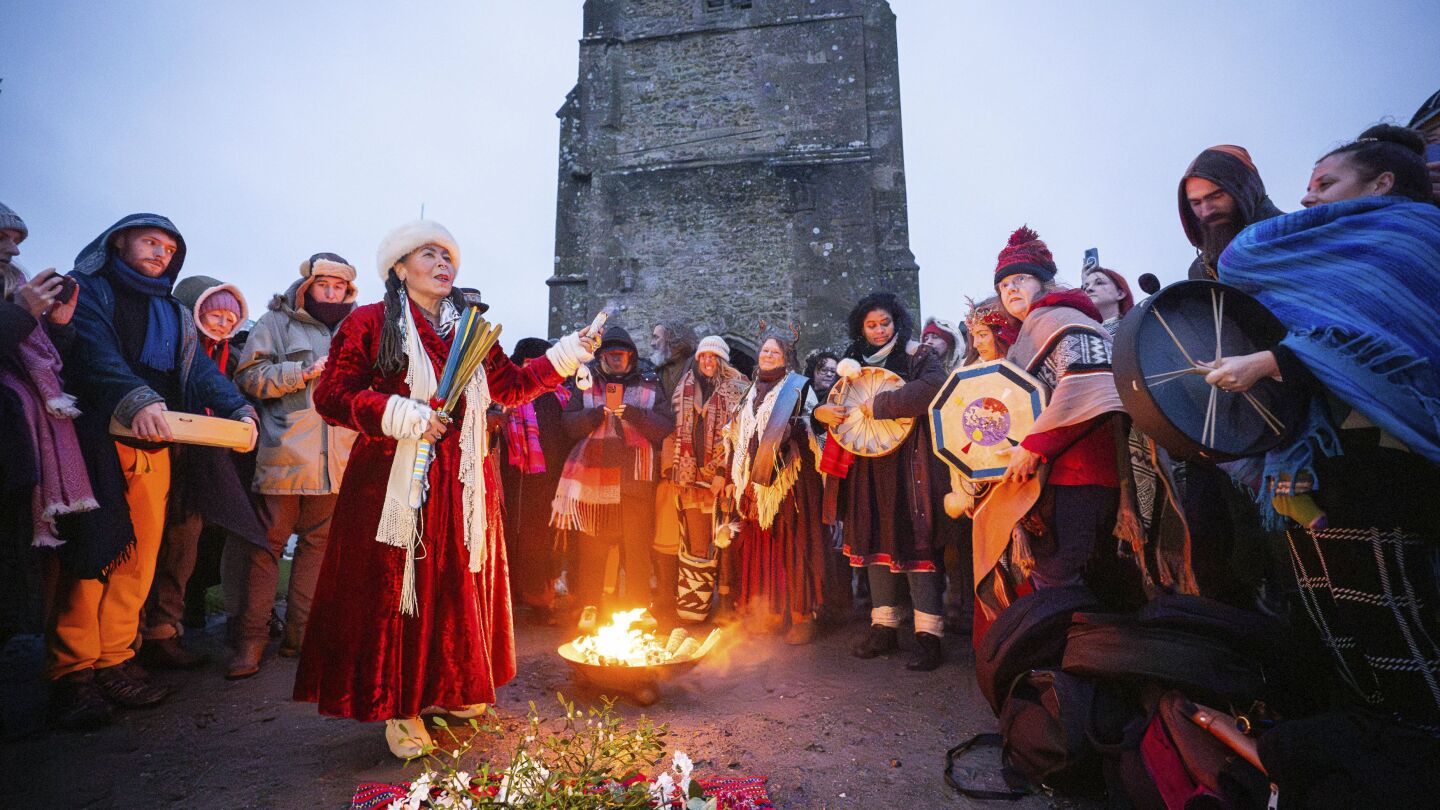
[246, 661]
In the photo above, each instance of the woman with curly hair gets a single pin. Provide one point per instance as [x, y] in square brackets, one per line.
[891, 503]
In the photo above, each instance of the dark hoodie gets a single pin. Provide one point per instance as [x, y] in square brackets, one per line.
[1230, 168]
[656, 423]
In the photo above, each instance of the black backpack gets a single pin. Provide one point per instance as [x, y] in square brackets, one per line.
[1045, 724]
[1029, 634]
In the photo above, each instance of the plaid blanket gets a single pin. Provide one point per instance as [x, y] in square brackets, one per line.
[588, 495]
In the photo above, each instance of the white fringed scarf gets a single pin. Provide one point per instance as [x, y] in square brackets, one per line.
[398, 520]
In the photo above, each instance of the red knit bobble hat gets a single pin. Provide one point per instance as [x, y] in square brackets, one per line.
[1025, 253]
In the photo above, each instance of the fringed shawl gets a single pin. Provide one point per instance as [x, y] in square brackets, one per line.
[587, 499]
[1357, 284]
[713, 414]
[1078, 397]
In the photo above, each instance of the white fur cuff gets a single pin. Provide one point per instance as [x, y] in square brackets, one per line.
[405, 418]
[567, 354]
[885, 616]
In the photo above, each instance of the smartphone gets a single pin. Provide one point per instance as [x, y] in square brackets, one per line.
[1432, 153]
[614, 396]
[67, 291]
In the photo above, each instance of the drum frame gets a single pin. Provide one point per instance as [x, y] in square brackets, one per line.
[1140, 403]
[1015, 374]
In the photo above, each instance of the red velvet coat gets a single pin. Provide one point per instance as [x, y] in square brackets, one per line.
[362, 658]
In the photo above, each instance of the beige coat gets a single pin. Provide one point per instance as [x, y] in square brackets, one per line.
[298, 454]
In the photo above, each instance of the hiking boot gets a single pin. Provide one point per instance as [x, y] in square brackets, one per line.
[294, 638]
[128, 686]
[881, 640]
[246, 660]
[931, 654]
[169, 653]
[76, 703]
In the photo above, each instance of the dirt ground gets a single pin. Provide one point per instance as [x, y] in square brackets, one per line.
[829, 730]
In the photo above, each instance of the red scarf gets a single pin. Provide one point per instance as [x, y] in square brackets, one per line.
[522, 434]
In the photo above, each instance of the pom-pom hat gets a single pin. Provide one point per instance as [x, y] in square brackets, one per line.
[1025, 253]
[405, 239]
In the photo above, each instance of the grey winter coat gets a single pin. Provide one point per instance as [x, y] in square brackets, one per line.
[299, 454]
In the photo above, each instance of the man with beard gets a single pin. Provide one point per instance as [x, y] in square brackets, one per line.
[672, 351]
[1221, 194]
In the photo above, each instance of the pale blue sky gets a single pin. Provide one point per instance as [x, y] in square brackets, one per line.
[272, 130]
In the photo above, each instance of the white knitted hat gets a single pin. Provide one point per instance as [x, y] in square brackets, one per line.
[400, 242]
[716, 345]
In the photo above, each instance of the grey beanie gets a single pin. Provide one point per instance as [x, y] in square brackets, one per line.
[11, 221]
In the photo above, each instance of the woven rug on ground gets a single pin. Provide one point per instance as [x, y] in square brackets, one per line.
[731, 793]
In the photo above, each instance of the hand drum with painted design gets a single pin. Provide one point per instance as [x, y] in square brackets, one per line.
[861, 434]
[980, 413]
[1158, 348]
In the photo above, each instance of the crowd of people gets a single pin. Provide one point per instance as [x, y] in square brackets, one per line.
[589, 475]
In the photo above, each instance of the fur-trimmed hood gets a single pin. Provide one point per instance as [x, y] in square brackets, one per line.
[292, 301]
[192, 292]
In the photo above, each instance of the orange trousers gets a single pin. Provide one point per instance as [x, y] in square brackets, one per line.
[98, 620]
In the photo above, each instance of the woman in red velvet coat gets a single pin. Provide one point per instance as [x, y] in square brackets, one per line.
[412, 610]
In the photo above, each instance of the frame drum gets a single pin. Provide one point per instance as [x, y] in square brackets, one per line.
[1157, 350]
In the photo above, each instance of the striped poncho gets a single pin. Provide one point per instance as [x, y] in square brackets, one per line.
[1357, 285]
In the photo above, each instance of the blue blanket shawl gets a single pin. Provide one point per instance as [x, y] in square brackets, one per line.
[1357, 284]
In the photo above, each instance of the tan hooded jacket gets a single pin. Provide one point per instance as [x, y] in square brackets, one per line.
[298, 453]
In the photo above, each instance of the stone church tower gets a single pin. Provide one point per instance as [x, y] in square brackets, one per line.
[728, 161]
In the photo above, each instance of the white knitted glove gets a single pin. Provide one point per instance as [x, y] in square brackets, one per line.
[567, 354]
[405, 418]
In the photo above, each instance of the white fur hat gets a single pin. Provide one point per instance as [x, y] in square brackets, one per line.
[400, 242]
[716, 345]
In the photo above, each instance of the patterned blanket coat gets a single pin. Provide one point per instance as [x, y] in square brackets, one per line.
[362, 658]
[892, 503]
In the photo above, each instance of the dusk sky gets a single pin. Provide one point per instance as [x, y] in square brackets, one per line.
[272, 130]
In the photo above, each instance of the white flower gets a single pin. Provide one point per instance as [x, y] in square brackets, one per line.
[683, 766]
[663, 789]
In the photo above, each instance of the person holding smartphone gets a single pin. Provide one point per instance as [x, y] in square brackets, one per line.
[606, 496]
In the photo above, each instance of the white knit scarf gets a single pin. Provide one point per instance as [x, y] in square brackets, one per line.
[398, 519]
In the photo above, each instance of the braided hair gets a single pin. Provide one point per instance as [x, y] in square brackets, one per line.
[392, 359]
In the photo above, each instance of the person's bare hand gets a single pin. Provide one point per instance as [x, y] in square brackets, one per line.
[149, 423]
[1023, 464]
[618, 412]
[38, 294]
[315, 369]
[436, 429]
[1241, 372]
[831, 415]
[717, 486]
[868, 408]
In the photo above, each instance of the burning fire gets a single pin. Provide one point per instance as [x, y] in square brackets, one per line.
[622, 644]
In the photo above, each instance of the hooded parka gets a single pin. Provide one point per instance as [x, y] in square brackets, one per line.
[299, 453]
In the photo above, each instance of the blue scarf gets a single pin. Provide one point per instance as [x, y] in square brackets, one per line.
[162, 330]
[1357, 284]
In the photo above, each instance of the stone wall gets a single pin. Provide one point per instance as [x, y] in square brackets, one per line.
[728, 161]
